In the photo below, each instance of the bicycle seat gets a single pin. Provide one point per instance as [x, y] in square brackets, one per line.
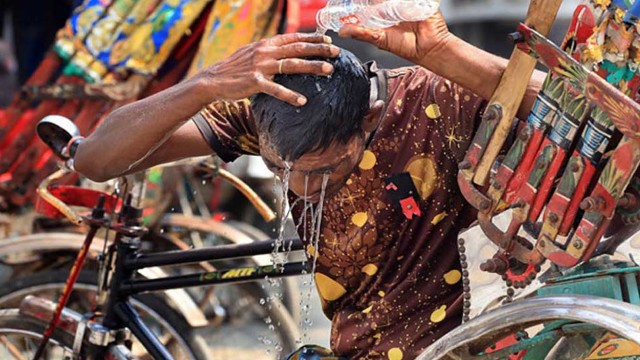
[56, 131]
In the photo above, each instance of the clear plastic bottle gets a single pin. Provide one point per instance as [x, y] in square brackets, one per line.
[374, 14]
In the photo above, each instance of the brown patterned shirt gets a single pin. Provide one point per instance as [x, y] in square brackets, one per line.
[388, 269]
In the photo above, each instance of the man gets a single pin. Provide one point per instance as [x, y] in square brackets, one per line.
[384, 144]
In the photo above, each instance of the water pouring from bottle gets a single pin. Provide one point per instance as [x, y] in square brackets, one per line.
[373, 14]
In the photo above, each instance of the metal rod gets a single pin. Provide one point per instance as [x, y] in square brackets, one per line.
[225, 252]
[131, 320]
[236, 275]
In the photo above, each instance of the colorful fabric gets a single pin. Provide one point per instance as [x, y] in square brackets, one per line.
[119, 36]
[124, 35]
[233, 24]
[388, 270]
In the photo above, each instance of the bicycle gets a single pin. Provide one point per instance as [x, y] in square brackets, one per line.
[40, 262]
[128, 237]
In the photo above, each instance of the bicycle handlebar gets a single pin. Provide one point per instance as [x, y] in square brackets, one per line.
[45, 194]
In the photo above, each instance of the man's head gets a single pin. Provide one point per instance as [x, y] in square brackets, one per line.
[327, 135]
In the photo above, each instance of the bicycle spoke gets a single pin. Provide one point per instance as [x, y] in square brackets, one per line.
[11, 348]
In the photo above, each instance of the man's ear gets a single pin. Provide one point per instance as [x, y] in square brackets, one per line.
[372, 119]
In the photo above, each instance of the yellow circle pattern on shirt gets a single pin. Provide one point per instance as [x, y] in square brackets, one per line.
[424, 175]
[328, 288]
[359, 219]
[395, 354]
[452, 277]
[368, 160]
[439, 314]
[370, 269]
[433, 111]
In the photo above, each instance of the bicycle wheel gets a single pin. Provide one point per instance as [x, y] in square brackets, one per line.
[171, 328]
[582, 314]
[20, 337]
[250, 329]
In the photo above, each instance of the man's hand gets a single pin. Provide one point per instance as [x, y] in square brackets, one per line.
[414, 41]
[251, 69]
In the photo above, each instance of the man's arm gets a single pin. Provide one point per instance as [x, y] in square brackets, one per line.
[142, 134]
[430, 44]
[156, 129]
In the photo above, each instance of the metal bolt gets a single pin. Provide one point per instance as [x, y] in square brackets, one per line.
[577, 244]
[497, 186]
[515, 37]
[485, 204]
[628, 201]
[553, 218]
[590, 204]
[574, 167]
[525, 134]
[542, 243]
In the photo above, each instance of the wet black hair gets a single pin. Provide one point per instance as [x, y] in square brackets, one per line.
[335, 109]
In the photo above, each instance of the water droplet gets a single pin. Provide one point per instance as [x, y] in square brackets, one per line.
[204, 182]
[298, 110]
[161, 231]
[318, 87]
[262, 301]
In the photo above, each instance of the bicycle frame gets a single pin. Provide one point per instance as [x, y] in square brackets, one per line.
[124, 258]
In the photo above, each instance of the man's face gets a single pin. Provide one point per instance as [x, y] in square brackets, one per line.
[336, 161]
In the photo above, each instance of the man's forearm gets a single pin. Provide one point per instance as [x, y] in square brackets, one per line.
[481, 72]
[129, 134]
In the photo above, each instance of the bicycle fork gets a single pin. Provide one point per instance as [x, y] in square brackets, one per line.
[97, 216]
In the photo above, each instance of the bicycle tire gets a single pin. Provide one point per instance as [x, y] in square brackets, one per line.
[152, 305]
[481, 332]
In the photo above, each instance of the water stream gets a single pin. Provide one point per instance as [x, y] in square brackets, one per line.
[311, 221]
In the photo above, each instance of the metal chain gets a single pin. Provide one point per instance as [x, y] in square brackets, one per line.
[466, 284]
[466, 287]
